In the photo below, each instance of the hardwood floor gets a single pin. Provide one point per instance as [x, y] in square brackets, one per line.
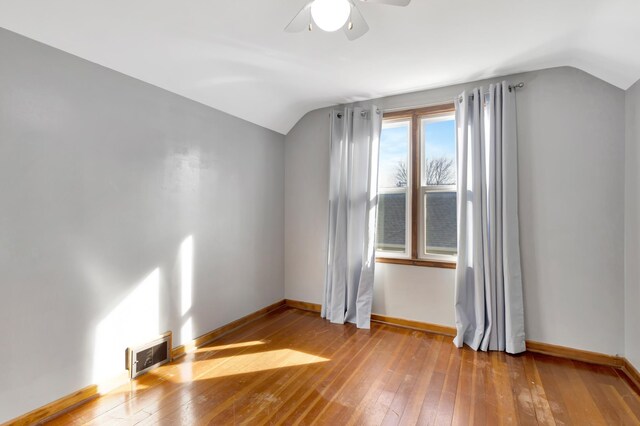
[293, 367]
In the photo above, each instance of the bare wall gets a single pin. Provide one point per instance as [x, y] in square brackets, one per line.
[632, 226]
[125, 210]
[571, 181]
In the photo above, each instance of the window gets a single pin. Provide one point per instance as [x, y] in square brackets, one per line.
[417, 188]
[394, 196]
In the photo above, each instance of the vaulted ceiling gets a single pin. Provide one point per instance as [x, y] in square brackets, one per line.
[234, 56]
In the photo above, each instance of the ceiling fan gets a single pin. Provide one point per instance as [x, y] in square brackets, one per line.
[331, 15]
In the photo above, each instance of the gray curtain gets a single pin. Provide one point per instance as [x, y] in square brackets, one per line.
[355, 139]
[488, 302]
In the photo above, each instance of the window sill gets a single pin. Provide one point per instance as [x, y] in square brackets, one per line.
[417, 262]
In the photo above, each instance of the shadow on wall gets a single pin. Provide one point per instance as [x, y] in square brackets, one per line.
[136, 320]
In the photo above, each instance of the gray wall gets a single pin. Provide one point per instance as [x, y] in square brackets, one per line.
[571, 158]
[102, 178]
[632, 226]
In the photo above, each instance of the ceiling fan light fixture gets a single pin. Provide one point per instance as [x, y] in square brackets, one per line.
[330, 15]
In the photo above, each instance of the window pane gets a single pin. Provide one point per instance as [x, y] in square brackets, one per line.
[392, 186]
[392, 228]
[394, 154]
[441, 226]
[439, 147]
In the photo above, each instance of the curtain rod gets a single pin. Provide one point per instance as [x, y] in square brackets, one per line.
[519, 85]
[511, 87]
[363, 113]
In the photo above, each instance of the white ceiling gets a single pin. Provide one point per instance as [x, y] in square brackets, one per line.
[234, 55]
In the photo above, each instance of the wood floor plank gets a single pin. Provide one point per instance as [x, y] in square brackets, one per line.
[369, 400]
[429, 404]
[479, 413]
[552, 387]
[291, 367]
[582, 409]
[624, 416]
[298, 405]
[521, 399]
[328, 392]
[581, 384]
[286, 394]
[383, 403]
[408, 383]
[284, 385]
[411, 413]
[446, 405]
[543, 413]
[258, 385]
[354, 391]
[462, 406]
[628, 391]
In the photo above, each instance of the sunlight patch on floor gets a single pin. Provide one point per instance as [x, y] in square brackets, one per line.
[244, 364]
[231, 346]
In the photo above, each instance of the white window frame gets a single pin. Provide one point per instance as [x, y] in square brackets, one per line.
[422, 235]
[391, 123]
[423, 254]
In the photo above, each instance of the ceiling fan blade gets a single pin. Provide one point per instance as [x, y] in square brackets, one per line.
[356, 27]
[389, 2]
[301, 21]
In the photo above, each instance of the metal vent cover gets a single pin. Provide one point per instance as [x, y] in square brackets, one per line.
[148, 356]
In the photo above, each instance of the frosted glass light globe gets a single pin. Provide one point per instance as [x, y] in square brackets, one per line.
[330, 15]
